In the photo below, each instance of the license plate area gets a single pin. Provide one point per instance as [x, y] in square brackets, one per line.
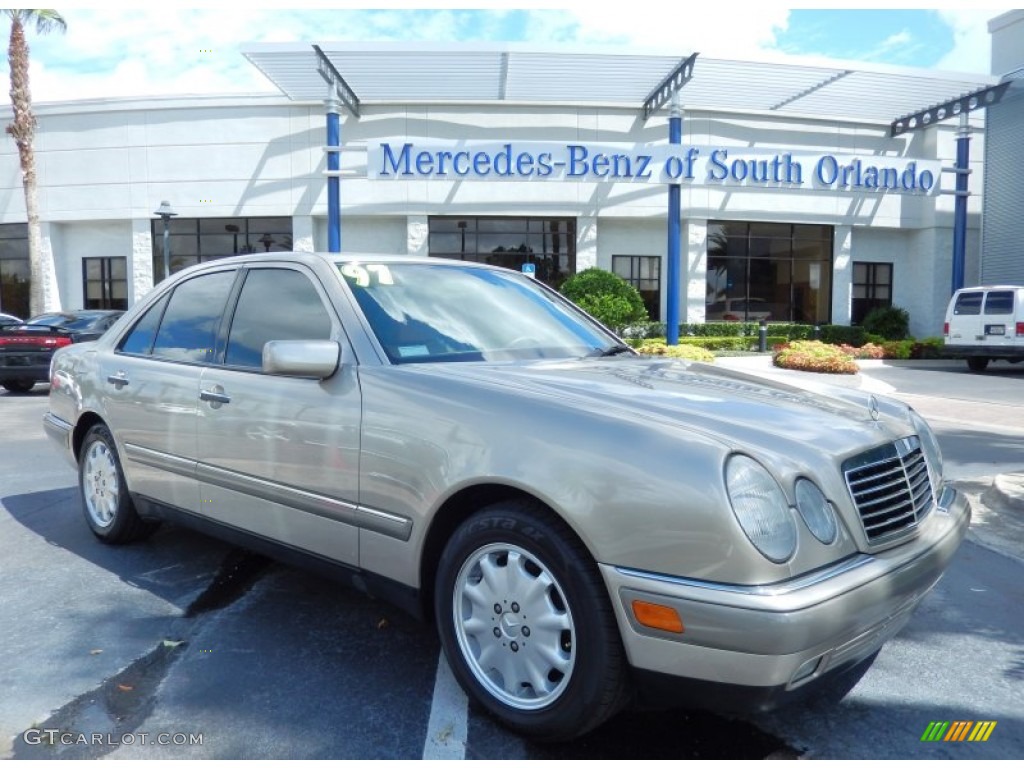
[995, 330]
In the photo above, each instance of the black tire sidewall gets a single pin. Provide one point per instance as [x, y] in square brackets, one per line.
[596, 678]
[18, 386]
[125, 519]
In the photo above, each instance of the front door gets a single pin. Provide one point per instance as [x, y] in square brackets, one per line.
[279, 455]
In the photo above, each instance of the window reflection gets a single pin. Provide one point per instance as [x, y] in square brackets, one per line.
[510, 242]
[768, 270]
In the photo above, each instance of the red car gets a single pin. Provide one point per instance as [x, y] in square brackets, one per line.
[26, 349]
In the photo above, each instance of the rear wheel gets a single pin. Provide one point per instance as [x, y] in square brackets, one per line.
[977, 364]
[526, 622]
[18, 385]
[109, 509]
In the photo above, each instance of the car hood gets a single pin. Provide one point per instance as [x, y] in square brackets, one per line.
[739, 409]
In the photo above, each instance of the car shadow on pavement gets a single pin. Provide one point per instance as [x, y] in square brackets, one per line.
[174, 564]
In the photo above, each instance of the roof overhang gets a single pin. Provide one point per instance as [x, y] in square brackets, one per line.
[491, 73]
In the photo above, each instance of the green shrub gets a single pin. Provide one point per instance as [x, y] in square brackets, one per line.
[684, 351]
[891, 323]
[867, 352]
[606, 296]
[931, 348]
[898, 350]
[843, 334]
[814, 356]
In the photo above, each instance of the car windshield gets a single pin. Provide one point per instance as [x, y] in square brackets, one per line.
[446, 312]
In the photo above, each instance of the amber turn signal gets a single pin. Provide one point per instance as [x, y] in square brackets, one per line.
[658, 616]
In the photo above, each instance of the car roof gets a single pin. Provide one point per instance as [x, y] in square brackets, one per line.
[332, 258]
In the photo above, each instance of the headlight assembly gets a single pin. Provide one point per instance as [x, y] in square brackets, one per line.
[761, 508]
[816, 511]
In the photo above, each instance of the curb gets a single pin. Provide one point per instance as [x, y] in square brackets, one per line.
[1008, 490]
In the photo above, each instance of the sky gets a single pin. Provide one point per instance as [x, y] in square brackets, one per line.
[166, 49]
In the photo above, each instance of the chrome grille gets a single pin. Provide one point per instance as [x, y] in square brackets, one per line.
[890, 487]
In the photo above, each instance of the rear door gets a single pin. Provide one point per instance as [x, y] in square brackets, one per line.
[150, 385]
[965, 322]
[997, 318]
[279, 455]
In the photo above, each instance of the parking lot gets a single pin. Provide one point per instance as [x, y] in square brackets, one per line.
[183, 647]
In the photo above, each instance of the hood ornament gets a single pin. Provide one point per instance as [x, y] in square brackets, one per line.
[873, 407]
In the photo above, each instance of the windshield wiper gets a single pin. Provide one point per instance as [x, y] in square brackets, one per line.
[616, 349]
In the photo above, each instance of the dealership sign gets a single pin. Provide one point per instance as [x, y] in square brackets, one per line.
[689, 165]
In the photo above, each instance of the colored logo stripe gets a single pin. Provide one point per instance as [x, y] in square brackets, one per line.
[935, 730]
[982, 730]
[958, 730]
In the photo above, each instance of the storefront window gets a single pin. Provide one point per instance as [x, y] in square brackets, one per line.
[105, 282]
[761, 270]
[644, 274]
[872, 288]
[548, 244]
[196, 240]
[14, 270]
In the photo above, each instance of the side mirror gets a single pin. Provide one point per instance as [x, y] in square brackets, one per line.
[313, 359]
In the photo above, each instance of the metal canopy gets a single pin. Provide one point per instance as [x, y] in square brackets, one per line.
[432, 73]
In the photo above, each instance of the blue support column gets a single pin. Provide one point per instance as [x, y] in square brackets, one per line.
[963, 162]
[333, 182]
[675, 136]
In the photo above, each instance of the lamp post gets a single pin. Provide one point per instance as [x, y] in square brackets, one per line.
[165, 212]
[233, 229]
[267, 241]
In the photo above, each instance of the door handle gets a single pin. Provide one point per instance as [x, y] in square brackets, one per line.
[118, 379]
[214, 397]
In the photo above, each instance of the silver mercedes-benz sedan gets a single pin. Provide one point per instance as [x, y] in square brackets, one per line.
[585, 526]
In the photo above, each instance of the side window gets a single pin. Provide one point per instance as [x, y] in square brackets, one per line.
[189, 327]
[968, 304]
[140, 340]
[999, 303]
[274, 305]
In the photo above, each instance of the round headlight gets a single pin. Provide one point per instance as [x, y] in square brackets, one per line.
[816, 511]
[761, 508]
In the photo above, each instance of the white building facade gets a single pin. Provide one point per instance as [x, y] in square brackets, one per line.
[804, 212]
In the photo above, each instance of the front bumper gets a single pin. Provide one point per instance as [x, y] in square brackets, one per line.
[781, 637]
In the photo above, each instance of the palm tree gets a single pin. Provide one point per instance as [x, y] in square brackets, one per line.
[42, 296]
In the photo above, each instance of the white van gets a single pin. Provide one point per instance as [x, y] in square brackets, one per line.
[986, 323]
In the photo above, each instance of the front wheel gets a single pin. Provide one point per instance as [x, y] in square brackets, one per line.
[109, 509]
[526, 623]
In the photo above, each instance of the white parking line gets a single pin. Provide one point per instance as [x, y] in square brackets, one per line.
[446, 730]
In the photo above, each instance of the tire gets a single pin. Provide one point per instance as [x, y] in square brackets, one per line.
[518, 596]
[20, 386]
[107, 505]
[977, 364]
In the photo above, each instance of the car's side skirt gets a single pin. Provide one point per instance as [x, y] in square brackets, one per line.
[403, 596]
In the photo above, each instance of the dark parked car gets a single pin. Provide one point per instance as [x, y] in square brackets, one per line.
[6, 320]
[26, 348]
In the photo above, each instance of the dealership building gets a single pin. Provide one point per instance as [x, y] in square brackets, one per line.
[789, 188]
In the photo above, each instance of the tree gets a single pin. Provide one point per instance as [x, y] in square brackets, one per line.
[42, 296]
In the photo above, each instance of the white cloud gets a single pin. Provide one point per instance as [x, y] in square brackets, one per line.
[717, 30]
[972, 44]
